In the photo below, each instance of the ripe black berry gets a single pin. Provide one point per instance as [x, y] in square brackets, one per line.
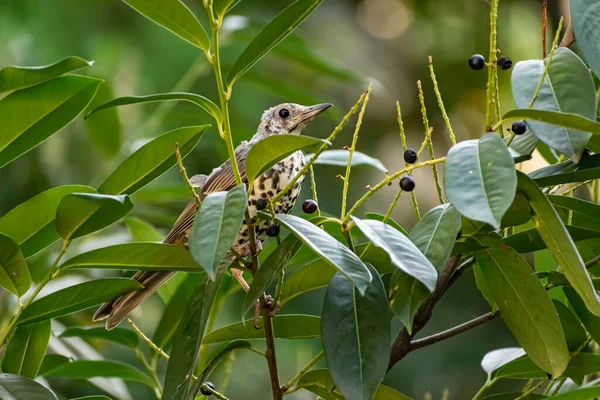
[273, 230]
[309, 206]
[204, 391]
[407, 184]
[410, 156]
[504, 62]
[518, 127]
[477, 62]
[261, 203]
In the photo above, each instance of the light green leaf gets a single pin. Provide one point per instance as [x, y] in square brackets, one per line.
[312, 276]
[223, 6]
[340, 158]
[26, 349]
[141, 231]
[14, 272]
[584, 17]
[588, 168]
[86, 369]
[121, 336]
[104, 131]
[15, 387]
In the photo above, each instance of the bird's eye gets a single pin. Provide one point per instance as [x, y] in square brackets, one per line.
[284, 113]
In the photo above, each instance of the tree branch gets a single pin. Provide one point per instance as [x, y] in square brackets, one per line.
[270, 352]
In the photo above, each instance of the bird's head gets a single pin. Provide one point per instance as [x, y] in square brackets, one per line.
[288, 118]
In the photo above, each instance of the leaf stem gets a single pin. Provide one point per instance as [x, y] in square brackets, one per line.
[151, 370]
[185, 177]
[313, 188]
[485, 387]
[303, 370]
[146, 339]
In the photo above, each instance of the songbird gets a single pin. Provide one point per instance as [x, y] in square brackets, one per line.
[287, 118]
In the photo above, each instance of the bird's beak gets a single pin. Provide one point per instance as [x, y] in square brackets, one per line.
[312, 112]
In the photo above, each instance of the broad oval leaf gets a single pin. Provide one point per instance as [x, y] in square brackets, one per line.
[524, 304]
[329, 249]
[50, 107]
[588, 168]
[125, 337]
[201, 101]
[14, 272]
[312, 276]
[174, 16]
[151, 160]
[584, 17]
[15, 78]
[559, 242]
[275, 31]
[288, 326]
[480, 179]
[216, 225]
[31, 224]
[85, 369]
[80, 214]
[497, 358]
[136, 257]
[340, 158]
[76, 298]
[141, 231]
[356, 336]
[16, 387]
[272, 149]
[26, 349]
[403, 253]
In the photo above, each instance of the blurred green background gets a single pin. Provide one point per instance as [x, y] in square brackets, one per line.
[330, 58]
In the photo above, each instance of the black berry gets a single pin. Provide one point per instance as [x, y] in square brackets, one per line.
[407, 184]
[477, 62]
[261, 203]
[504, 62]
[309, 206]
[518, 127]
[204, 391]
[410, 156]
[273, 230]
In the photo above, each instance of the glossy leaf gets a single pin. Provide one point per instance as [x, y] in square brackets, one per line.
[26, 349]
[584, 17]
[76, 298]
[356, 336]
[559, 242]
[104, 131]
[497, 358]
[174, 16]
[50, 107]
[31, 224]
[279, 27]
[85, 369]
[151, 160]
[274, 148]
[480, 179]
[525, 305]
[14, 272]
[216, 225]
[15, 387]
[80, 214]
[312, 276]
[329, 249]
[15, 78]
[204, 103]
[141, 231]
[340, 158]
[403, 253]
[566, 172]
[136, 257]
[589, 320]
[125, 337]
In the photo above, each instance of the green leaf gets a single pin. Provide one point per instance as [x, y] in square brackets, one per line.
[151, 160]
[564, 119]
[523, 368]
[512, 396]
[530, 240]
[403, 253]
[589, 320]
[76, 298]
[174, 16]
[85, 369]
[483, 286]
[340, 158]
[312, 276]
[409, 295]
[329, 249]
[583, 393]
[136, 257]
[223, 6]
[356, 336]
[289, 326]
[121, 336]
[574, 332]
[584, 17]
[387, 393]
[52, 361]
[281, 26]
[272, 149]
[31, 224]
[480, 179]
[588, 168]
[525, 305]
[201, 101]
[497, 358]
[216, 225]
[141, 231]
[80, 214]
[26, 349]
[389, 221]
[560, 244]
[15, 78]
[591, 210]
[15, 387]
[50, 107]
[269, 269]
[14, 273]
[104, 131]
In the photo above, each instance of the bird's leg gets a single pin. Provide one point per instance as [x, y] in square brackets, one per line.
[237, 274]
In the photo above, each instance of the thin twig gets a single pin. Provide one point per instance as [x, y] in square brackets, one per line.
[436, 89]
[304, 370]
[313, 188]
[213, 392]
[492, 68]
[185, 177]
[544, 24]
[569, 37]
[146, 339]
[404, 148]
[270, 353]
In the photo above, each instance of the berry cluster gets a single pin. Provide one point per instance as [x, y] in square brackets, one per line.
[477, 62]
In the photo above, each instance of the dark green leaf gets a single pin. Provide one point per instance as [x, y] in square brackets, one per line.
[523, 368]
[589, 320]
[583, 393]
[85, 369]
[122, 336]
[519, 212]
[584, 17]
[530, 240]
[281, 26]
[141, 231]
[497, 358]
[356, 336]
[216, 225]
[76, 298]
[26, 349]
[151, 160]
[104, 131]
[389, 221]
[50, 107]
[574, 332]
[567, 172]
[483, 286]
[14, 273]
[15, 387]
[409, 295]
[312, 276]
[15, 78]
[340, 158]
